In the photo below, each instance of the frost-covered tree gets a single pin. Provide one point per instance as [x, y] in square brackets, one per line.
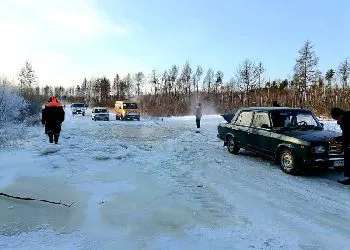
[27, 80]
[12, 105]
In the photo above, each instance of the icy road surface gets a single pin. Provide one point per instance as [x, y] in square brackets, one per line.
[159, 185]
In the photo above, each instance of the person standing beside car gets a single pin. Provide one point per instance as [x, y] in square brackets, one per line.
[52, 116]
[343, 120]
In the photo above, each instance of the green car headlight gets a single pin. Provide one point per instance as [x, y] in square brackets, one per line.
[318, 150]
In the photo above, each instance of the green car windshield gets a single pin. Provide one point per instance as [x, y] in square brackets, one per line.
[294, 120]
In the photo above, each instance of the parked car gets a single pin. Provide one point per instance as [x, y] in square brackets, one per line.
[294, 138]
[78, 108]
[100, 114]
[126, 110]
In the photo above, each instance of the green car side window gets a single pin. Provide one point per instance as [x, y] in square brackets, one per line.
[262, 120]
[244, 118]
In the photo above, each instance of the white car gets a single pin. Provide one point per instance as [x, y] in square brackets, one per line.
[100, 113]
[78, 108]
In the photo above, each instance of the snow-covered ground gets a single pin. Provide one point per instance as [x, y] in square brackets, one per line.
[157, 184]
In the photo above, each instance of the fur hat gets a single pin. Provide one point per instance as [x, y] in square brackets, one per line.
[336, 112]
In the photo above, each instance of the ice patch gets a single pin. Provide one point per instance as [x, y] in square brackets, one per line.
[26, 216]
[103, 189]
[6, 180]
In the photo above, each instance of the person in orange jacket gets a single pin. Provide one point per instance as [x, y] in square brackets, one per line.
[53, 117]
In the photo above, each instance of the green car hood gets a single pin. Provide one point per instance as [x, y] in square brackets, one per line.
[311, 135]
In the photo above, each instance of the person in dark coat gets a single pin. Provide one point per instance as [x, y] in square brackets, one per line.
[343, 120]
[52, 117]
[198, 115]
[275, 104]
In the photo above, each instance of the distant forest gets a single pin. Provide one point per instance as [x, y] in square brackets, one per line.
[177, 90]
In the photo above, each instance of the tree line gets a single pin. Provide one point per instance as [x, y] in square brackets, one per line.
[177, 90]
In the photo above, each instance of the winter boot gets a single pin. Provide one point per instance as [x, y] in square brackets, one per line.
[56, 138]
[51, 138]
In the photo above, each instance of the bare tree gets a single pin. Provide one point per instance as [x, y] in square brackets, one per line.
[173, 72]
[84, 89]
[164, 82]
[260, 69]
[59, 91]
[96, 91]
[139, 80]
[196, 78]
[78, 93]
[186, 79]
[305, 70]
[329, 77]
[209, 80]
[154, 81]
[46, 91]
[246, 78]
[128, 86]
[219, 79]
[105, 90]
[116, 86]
[344, 72]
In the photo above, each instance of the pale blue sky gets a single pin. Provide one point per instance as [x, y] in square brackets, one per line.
[67, 40]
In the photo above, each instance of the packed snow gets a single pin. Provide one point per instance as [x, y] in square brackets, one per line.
[156, 184]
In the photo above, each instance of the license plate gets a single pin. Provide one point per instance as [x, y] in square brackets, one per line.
[132, 113]
[339, 163]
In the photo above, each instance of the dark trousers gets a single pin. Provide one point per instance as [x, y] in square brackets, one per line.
[53, 137]
[198, 122]
[347, 162]
[53, 131]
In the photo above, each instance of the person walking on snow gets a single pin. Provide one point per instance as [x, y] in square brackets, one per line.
[52, 117]
[198, 115]
[343, 120]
